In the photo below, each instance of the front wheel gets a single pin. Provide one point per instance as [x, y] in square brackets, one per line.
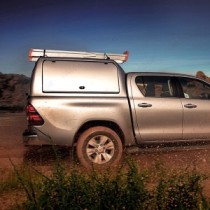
[99, 146]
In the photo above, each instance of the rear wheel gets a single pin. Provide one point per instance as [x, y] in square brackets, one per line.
[98, 147]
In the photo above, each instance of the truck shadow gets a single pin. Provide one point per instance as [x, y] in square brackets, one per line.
[43, 155]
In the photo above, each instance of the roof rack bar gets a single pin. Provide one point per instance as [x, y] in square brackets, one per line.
[34, 55]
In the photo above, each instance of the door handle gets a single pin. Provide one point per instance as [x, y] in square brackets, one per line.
[190, 106]
[144, 105]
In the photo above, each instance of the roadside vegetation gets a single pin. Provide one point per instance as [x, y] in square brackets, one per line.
[126, 187]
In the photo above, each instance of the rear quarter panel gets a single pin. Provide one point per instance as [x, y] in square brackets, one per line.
[64, 117]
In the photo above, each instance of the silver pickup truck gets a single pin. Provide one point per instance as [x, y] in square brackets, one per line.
[86, 100]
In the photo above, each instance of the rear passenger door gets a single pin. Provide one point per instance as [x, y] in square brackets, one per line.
[158, 110]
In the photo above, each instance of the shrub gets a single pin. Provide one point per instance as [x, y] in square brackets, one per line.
[179, 192]
[127, 187]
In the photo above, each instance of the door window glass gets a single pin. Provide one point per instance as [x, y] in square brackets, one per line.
[155, 86]
[195, 89]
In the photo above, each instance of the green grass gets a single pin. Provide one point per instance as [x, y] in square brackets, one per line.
[13, 179]
[127, 187]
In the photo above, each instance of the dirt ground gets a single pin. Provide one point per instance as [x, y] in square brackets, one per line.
[12, 126]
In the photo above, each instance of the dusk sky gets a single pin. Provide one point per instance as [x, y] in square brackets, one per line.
[161, 35]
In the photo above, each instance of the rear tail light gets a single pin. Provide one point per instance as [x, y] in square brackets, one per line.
[33, 116]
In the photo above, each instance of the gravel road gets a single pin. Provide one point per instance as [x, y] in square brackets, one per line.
[11, 128]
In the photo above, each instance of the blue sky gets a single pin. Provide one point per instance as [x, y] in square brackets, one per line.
[161, 35]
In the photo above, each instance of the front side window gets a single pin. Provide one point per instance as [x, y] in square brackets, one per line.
[155, 86]
[195, 89]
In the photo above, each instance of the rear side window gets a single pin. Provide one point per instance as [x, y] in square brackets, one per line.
[76, 76]
[156, 86]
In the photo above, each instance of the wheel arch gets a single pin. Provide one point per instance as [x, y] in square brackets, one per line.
[109, 124]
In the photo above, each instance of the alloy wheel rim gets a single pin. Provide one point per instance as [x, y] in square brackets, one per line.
[100, 149]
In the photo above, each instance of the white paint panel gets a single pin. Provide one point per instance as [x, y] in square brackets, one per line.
[77, 76]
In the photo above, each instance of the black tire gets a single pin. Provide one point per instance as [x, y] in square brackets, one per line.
[99, 147]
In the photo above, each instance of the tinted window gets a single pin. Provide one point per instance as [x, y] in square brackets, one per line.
[74, 76]
[155, 86]
[195, 89]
